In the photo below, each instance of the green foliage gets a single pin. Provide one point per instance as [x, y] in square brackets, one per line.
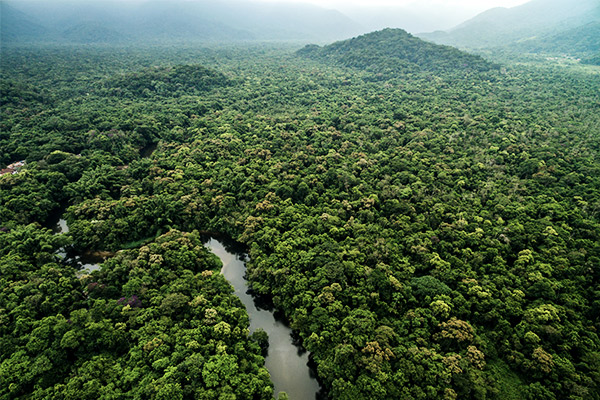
[428, 233]
[393, 51]
[576, 41]
[262, 339]
[594, 59]
[166, 81]
[138, 328]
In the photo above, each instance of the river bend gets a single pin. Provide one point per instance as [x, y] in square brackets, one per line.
[287, 363]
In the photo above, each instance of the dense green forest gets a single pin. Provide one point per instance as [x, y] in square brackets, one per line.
[430, 232]
[392, 51]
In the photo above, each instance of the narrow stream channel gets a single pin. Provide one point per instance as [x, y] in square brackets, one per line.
[287, 363]
[86, 262]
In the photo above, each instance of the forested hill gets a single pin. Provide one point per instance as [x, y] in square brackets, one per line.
[17, 26]
[538, 26]
[395, 50]
[582, 40]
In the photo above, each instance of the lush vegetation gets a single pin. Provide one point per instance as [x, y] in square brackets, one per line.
[429, 232]
[580, 40]
[392, 51]
[157, 322]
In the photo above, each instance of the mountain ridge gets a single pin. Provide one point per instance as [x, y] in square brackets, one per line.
[16, 24]
[164, 21]
[505, 27]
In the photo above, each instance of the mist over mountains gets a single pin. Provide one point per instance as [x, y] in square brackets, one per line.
[539, 26]
[201, 20]
[160, 21]
[94, 21]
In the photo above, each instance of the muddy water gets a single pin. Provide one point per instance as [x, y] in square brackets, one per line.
[287, 362]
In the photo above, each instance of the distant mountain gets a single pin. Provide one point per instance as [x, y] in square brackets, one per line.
[581, 40]
[162, 21]
[273, 21]
[390, 51]
[177, 21]
[18, 26]
[533, 20]
[421, 16]
[91, 32]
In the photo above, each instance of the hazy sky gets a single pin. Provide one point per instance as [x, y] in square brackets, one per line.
[472, 4]
[478, 4]
[415, 16]
[419, 15]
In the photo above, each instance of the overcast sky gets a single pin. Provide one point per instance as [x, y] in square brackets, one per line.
[413, 15]
[418, 15]
[473, 4]
[340, 4]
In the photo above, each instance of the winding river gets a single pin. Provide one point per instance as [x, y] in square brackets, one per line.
[287, 362]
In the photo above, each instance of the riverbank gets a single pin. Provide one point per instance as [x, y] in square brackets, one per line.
[286, 360]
